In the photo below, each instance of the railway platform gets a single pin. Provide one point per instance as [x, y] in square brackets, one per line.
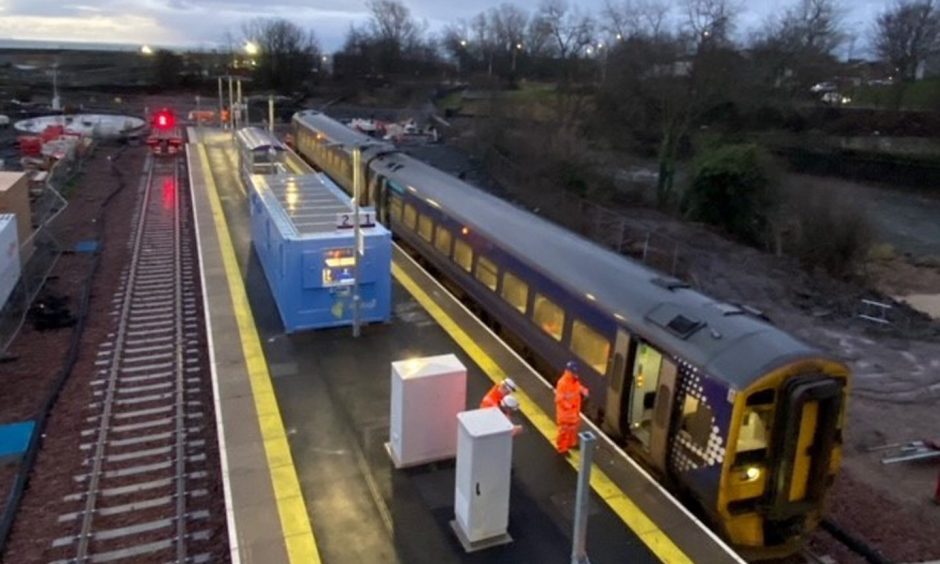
[303, 419]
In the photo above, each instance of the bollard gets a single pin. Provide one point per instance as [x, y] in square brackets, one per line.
[579, 538]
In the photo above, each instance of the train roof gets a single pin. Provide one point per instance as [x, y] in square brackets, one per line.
[257, 139]
[725, 339]
[346, 137]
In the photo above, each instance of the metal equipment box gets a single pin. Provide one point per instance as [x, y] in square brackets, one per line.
[9, 257]
[481, 489]
[427, 395]
[14, 198]
[303, 232]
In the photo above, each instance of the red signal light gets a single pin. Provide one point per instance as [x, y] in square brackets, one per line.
[164, 119]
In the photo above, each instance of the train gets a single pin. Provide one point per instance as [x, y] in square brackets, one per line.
[741, 420]
[166, 137]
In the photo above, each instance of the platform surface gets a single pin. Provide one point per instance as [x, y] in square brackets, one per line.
[332, 393]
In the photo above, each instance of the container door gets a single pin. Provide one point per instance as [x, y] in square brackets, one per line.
[662, 414]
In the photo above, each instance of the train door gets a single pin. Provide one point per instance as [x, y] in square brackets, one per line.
[650, 404]
[662, 413]
[805, 436]
[378, 194]
[615, 412]
[642, 394]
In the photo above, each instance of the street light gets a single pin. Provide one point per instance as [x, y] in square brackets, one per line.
[146, 50]
[252, 48]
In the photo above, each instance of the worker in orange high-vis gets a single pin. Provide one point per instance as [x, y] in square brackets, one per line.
[568, 393]
[494, 397]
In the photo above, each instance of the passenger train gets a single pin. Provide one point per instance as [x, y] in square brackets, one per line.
[742, 420]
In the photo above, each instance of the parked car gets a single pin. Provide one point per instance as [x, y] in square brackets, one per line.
[823, 87]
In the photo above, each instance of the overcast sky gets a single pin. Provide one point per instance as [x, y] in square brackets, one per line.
[200, 22]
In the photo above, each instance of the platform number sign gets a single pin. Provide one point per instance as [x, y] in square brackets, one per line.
[346, 220]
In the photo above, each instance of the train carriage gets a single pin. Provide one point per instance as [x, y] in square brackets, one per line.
[736, 415]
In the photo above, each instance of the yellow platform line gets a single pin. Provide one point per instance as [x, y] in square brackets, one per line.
[292, 510]
[652, 536]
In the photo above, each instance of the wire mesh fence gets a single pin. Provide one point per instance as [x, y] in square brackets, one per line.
[40, 251]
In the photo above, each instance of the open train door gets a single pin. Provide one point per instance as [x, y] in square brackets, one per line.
[615, 412]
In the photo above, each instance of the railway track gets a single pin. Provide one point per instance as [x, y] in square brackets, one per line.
[144, 494]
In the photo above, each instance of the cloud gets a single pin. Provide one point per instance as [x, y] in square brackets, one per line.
[195, 22]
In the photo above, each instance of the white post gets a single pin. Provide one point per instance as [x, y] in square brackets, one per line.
[238, 116]
[579, 538]
[56, 103]
[271, 114]
[231, 105]
[357, 235]
[221, 103]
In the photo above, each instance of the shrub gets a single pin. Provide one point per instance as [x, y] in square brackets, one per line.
[832, 232]
[733, 187]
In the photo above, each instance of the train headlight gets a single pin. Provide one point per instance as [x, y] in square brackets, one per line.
[752, 473]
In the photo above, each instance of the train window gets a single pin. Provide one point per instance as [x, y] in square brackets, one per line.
[425, 227]
[515, 291]
[442, 240]
[548, 316]
[755, 428]
[590, 346]
[410, 216]
[487, 272]
[697, 420]
[463, 254]
[394, 208]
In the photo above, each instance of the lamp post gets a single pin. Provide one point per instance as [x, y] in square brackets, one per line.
[516, 49]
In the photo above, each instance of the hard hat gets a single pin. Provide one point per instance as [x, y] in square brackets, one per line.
[572, 366]
[510, 402]
[510, 384]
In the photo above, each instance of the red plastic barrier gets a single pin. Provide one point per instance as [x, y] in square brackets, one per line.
[52, 132]
[30, 145]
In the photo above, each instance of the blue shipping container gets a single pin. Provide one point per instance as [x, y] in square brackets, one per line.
[302, 230]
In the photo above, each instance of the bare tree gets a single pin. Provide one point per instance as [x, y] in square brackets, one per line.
[814, 26]
[287, 54]
[633, 18]
[906, 33]
[711, 22]
[796, 49]
[567, 31]
[391, 42]
[391, 24]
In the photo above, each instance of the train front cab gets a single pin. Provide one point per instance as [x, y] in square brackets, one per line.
[785, 448]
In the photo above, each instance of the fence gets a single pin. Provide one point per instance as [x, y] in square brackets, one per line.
[41, 250]
[606, 227]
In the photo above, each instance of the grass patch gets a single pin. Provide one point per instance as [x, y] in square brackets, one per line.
[920, 95]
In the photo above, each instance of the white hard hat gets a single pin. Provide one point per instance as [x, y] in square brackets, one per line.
[510, 402]
[510, 384]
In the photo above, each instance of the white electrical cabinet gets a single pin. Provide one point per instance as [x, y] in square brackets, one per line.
[427, 395]
[481, 489]
[9, 257]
